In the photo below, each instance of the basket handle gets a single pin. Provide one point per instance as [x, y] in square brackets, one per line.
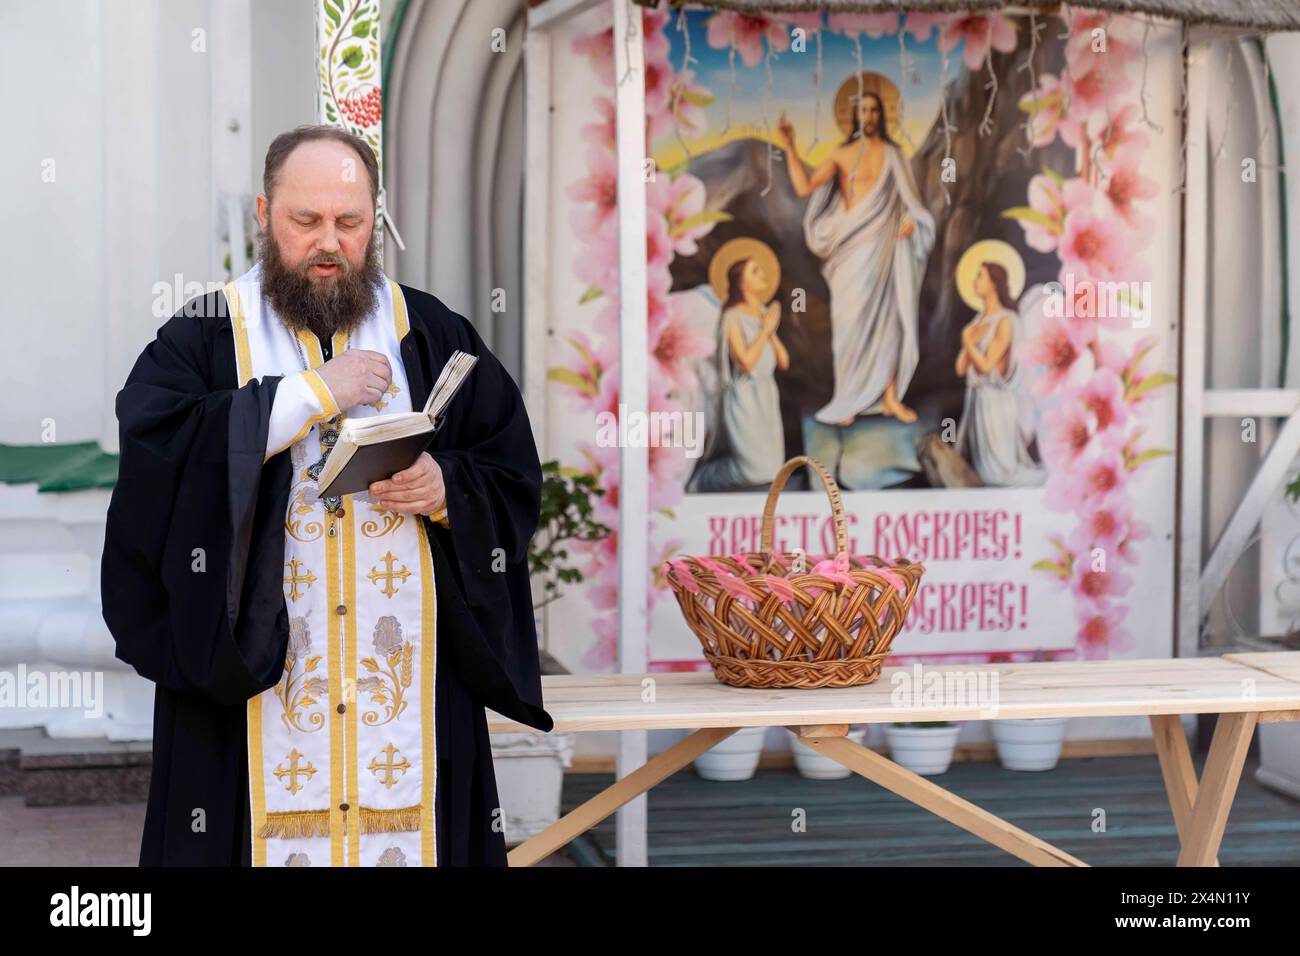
[832, 492]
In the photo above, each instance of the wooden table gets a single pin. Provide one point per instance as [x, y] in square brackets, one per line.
[1242, 689]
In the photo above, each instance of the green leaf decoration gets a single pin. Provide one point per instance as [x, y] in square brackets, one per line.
[1053, 175]
[1030, 215]
[699, 219]
[592, 292]
[1151, 382]
[1146, 456]
[589, 360]
[361, 29]
[1051, 567]
[352, 57]
[567, 376]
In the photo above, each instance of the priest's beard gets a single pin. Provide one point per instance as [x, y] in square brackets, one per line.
[321, 306]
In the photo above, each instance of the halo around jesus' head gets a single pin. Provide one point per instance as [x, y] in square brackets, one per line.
[733, 251]
[989, 250]
[878, 83]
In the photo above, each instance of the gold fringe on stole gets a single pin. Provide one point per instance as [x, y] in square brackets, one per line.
[295, 823]
[391, 821]
[312, 823]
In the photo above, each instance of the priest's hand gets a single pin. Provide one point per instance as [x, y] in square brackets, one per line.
[357, 377]
[417, 490]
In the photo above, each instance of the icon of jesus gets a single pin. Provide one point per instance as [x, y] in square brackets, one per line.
[867, 223]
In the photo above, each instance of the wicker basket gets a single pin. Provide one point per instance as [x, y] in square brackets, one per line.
[771, 620]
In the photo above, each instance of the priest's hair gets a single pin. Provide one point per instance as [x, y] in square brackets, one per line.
[286, 143]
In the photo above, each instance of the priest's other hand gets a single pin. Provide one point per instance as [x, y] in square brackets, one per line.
[357, 377]
[417, 490]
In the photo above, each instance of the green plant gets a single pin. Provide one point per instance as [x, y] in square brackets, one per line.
[565, 516]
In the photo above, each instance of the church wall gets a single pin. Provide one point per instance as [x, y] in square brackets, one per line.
[117, 179]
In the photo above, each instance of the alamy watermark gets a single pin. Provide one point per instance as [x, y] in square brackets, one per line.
[83, 690]
[946, 688]
[1128, 301]
[657, 429]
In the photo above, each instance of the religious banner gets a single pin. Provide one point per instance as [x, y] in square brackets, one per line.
[939, 254]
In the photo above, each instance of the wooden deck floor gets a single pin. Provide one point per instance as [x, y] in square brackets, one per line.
[694, 822]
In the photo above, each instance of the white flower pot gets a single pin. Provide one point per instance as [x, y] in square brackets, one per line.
[529, 772]
[1279, 758]
[735, 758]
[923, 750]
[1029, 744]
[817, 766]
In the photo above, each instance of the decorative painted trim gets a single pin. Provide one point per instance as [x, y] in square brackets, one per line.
[349, 93]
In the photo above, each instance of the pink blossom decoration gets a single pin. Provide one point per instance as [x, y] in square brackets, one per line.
[746, 33]
[978, 33]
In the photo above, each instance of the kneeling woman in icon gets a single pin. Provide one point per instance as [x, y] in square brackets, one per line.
[746, 441]
[996, 427]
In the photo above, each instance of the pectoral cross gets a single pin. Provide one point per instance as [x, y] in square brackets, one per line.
[293, 771]
[388, 574]
[387, 768]
[328, 436]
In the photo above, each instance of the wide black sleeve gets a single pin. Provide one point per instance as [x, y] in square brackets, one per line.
[191, 574]
[493, 481]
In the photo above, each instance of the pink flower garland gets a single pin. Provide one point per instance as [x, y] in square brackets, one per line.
[1095, 391]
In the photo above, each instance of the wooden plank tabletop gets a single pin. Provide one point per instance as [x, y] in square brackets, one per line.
[1108, 688]
[1283, 664]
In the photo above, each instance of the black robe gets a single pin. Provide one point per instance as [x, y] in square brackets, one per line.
[192, 476]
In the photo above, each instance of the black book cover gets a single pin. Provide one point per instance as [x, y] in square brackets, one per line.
[378, 462]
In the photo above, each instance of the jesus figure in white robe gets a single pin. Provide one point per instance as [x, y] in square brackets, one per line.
[868, 225]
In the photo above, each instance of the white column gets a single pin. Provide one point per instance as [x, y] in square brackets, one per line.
[1192, 366]
[231, 50]
[633, 512]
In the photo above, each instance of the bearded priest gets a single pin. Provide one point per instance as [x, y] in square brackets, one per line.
[321, 665]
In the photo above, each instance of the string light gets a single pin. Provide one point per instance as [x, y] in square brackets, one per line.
[948, 128]
[1032, 122]
[687, 60]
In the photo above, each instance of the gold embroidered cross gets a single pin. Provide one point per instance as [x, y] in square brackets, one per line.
[293, 771]
[387, 768]
[388, 574]
[393, 389]
[293, 579]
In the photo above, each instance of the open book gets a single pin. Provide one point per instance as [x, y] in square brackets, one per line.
[377, 447]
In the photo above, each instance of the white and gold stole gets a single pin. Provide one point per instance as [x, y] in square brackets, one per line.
[341, 753]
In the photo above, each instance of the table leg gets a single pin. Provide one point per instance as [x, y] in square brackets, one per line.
[584, 817]
[1232, 733]
[943, 803]
[1177, 769]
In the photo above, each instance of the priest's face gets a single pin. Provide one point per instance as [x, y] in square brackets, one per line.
[319, 248]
